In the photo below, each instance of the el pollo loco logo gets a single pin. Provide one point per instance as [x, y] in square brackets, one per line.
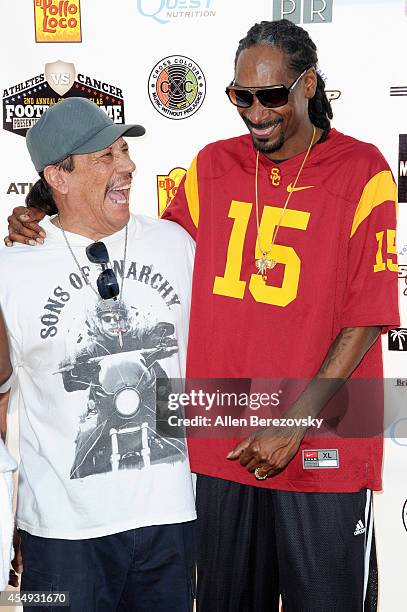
[57, 21]
[167, 186]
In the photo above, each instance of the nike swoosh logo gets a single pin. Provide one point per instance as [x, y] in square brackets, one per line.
[290, 188]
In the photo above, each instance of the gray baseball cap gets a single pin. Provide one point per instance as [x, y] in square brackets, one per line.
[73, 126]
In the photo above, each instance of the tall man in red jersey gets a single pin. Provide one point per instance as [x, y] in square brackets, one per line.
[295, 283]
[324, 204]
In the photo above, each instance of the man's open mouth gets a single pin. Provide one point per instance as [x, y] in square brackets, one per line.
[265, 132]
[119, 194]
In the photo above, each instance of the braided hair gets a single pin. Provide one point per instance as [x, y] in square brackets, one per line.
[301, 53]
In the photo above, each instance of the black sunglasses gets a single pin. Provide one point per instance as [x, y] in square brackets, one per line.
[270, 97]
[108, 318]
[107, 284]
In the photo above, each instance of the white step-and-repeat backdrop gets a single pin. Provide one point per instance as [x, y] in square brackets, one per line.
[118, 53]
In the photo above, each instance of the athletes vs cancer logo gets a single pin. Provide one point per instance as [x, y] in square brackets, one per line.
[24, 103]
[61, 76]
[57, 21]
[176, 87]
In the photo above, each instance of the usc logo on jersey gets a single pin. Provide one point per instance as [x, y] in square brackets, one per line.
[275, 177]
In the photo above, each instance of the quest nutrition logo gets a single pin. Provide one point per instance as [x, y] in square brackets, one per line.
[24, 103]
[167, 186]
[57, 21]
[165, 11]
[176, 87]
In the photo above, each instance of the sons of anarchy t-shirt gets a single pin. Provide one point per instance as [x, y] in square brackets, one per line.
[92, 460]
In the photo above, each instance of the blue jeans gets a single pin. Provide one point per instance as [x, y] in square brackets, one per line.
[150, 569]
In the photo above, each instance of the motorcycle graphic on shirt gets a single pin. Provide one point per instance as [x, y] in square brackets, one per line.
[120, 367]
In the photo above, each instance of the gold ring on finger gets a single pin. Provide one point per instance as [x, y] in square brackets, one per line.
[259, 474]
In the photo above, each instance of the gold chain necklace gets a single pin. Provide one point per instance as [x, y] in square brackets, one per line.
[265, 262]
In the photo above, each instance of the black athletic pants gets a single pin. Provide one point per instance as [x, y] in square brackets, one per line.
[315, 549]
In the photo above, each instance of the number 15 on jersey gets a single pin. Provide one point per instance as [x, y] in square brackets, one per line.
[231, 285]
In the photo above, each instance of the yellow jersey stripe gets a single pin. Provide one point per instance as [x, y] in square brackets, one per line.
[381, 188]
[192, 192]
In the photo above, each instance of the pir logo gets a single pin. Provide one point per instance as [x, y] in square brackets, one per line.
[176, 87]
[167, 186]
[24, 103]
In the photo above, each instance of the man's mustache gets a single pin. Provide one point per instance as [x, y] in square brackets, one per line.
[117, 181]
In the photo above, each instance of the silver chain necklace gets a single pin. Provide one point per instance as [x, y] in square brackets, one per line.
[115, 316]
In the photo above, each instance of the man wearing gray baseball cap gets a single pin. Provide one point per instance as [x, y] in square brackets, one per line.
[71, 127]
[105, 503]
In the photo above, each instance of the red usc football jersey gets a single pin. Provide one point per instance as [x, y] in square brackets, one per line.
[336, 267]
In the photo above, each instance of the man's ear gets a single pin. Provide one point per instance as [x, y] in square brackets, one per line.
[56, 179]
[310, 83]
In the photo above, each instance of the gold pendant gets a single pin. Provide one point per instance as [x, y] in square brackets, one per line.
[263, 264]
